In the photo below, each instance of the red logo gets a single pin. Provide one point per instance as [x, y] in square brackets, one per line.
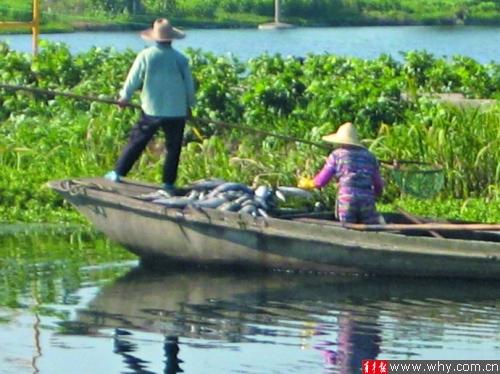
[375, 367]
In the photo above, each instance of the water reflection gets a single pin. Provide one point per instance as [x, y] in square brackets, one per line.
[333, 322]
[63, 296]
[125, 347]
[356, 341]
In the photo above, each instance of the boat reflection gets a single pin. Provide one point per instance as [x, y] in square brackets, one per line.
[340, 317]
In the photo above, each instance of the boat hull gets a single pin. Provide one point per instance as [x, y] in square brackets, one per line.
[211, 237]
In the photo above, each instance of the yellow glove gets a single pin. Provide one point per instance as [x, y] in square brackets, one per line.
[306, 183]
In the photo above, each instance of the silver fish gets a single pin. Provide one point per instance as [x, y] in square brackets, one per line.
[206, 184]
[249, 209]
[262, 213]
[160, 194]
[248, 202]
[261, 203]
[296, 192]
[212, 203]
[263, 192]
[243, 198]
[230, 206]
[233, 195]
[280, 195]
[231, 186]
[174, 202]
[193, 194]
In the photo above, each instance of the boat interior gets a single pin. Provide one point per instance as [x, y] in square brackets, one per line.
[136, 189]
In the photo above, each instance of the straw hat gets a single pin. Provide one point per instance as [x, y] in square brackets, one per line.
[346, 134]
[162, 31]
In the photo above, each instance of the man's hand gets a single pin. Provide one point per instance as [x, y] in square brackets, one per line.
[122, 103]
[306, 183]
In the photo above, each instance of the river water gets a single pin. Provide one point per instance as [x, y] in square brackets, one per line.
[72, 302]
[480, 43]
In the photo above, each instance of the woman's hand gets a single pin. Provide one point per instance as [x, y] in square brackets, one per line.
[306, 183]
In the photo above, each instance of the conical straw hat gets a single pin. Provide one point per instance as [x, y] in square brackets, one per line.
[162, 31]
[346, 134]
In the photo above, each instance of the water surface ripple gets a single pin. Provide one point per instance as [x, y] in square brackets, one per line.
[90, 309]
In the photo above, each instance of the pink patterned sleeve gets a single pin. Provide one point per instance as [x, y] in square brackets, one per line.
[327, 173]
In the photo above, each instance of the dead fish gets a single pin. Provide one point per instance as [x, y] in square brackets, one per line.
[249, 209]
[174, 202]
[262, 212]
[193, 194]
[212, 203]
[260, 203]
[280, 195]
[160, 194]
[248, 202]
[263, 192]
[206, 184]
[230, 206]
[296, 192]
[230, 195]
[240, 200]
[231, 186]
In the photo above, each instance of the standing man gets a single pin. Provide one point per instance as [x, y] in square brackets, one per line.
[166, 99]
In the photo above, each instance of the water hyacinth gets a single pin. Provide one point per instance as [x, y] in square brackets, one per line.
[45, 137]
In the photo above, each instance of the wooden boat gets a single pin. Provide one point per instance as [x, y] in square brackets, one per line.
[211, 237]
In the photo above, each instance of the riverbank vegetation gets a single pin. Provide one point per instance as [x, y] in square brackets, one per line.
[67, 15]
[43, 138]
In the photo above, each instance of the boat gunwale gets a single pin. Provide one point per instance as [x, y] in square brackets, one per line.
[391, 242]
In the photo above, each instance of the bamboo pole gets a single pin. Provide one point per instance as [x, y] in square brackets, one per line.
[424, 226]
[41, 91]
[202, 120]
[261, 132]
[35, 26]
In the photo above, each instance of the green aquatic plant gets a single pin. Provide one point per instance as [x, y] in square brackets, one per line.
[50, 137]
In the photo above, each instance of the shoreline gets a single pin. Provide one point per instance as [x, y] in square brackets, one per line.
[55, 28]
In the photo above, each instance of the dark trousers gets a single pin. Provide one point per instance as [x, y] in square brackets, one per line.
[142, 133]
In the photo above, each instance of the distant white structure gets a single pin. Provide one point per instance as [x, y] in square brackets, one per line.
[277, 24]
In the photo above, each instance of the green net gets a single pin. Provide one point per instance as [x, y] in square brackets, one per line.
[418, 179]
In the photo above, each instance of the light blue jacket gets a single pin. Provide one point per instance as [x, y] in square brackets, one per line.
[166, 80]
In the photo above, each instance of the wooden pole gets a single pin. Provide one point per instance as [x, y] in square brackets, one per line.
[425, 227]
[35, 26]
[207, 121]
[66, 94]
[261, 132]
[277, 11]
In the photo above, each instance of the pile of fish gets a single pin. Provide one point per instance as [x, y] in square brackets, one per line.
[228, 196]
